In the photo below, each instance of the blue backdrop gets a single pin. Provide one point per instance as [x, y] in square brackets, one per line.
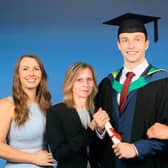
[64, 32]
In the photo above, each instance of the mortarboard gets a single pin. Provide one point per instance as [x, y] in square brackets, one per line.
[130, 23]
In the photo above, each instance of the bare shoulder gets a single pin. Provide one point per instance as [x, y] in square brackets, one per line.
[6, 116]
[6, 101]
[6, 105]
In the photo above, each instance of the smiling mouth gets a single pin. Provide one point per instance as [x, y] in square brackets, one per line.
[132, 52]
[31, 80]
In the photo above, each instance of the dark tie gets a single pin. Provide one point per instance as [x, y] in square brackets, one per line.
[124, 92]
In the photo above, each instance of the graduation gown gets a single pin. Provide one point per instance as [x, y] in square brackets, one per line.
[147, 103]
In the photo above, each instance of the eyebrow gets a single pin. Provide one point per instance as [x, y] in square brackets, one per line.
[27, 66]
[125, 37]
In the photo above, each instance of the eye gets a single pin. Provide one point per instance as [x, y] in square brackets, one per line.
[37, 68]
[25, 68]
[90, 79]
[79, 80]
[137, 40]
[124, 40]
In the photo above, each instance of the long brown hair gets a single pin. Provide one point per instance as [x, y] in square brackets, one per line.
[69, 80]
[20, 98]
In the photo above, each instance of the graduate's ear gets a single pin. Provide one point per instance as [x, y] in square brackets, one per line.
[147, 44]
[118, 44]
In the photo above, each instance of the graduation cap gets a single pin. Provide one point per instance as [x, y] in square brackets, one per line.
[130, 23]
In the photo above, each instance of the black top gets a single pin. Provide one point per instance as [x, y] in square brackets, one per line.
[68, 139]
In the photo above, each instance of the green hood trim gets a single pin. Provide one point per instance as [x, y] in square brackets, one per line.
[134, 85]
[153, 70]
[140, 82]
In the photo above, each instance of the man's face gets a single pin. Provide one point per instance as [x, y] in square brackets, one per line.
[133, 47]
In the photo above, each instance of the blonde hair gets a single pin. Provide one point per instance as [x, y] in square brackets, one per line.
[69, 80]
[20, 97]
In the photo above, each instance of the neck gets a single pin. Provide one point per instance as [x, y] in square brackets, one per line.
[133, 65]
[80, 103]
[31, 96]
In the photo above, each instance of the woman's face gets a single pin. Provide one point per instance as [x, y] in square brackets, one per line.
[84, 83]
[30, 73]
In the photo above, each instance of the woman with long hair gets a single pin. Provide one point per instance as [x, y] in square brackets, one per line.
[23, 117]
[70, 125]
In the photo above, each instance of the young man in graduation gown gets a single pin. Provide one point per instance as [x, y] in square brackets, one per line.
[145, 104]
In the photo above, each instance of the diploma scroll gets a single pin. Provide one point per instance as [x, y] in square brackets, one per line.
[115, 137]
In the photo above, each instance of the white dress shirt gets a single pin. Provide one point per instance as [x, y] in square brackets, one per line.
[137, 71]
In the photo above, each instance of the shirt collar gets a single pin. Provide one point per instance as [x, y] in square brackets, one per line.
[137, 70]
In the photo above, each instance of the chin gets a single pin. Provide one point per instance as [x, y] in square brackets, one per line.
[31, 87]
[132, 60]
[84, 96]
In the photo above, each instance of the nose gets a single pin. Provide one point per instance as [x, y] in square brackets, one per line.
[84, 83]
[31, 72]
[131, 44]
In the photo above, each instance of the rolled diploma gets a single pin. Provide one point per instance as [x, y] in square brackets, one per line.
[115, 137]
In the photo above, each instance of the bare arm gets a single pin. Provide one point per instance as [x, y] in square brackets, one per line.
[9, 153]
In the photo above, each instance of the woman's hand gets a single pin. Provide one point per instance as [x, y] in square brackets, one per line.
[101, 117]
[43, 158]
